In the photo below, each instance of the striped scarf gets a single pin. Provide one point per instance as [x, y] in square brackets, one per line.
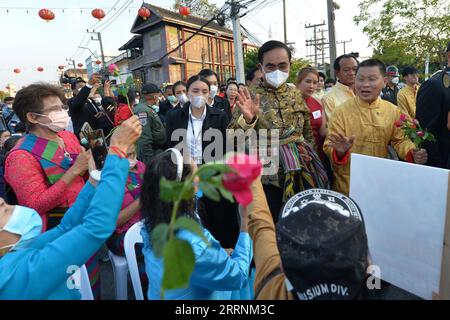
[300, 173]
[134, 181]
[49, 154]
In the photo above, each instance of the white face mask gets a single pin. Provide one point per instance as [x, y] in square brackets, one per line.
[197, 101]
[395, 80]
[276, 78]
[182, 98]
[98, 100]
[213, 91]
[136, 101]
[59, 120]
[10, 106]
[24, 222]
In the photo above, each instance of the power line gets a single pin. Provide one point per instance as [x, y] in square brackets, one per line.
[107, 16]
[118, 15]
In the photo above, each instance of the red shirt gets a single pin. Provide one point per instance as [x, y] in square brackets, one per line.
[27, 178]
[123, 113]
[316, 118]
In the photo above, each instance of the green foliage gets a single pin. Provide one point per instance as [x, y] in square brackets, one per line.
[179, 259]
[191, 225]
[179, 262]
[404, 32]
[160, 235]
[251, 60]
[199, 8]
[296, 65]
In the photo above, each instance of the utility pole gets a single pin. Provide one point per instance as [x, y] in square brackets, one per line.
[99, 39]
[344, 42]
[315, 42]
[73, 64]
[331, 34]
[284, 21]
[238, 54]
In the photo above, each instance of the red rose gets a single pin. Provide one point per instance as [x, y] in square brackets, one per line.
[398, 123]
[403, 118]
[246, 170]
[413, 126]
[420, 134]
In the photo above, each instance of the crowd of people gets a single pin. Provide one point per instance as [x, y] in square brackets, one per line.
[58, 212]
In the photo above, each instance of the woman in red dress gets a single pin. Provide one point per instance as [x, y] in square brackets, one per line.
[307, 80]
[46, 168]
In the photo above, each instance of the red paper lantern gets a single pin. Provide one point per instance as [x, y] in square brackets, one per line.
[184, 11]
[98, 62]
[61, 67]
[98, 13]
[40, 69]
[144, 13]
[16, 70]
[46, 14]
[80, 65]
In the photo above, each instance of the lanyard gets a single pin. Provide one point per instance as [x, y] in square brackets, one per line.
[194, 137]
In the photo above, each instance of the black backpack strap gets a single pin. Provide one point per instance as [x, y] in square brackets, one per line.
[266, 280]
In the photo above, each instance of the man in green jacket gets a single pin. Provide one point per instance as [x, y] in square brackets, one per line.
[153, 139]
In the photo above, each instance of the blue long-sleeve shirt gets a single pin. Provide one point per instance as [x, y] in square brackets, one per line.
[41, 270]
[216, 274]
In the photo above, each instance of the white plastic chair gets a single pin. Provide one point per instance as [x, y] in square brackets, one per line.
[132, 237]
[85, 284]
[120, 271]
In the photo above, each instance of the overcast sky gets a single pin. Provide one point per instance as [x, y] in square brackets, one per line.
[28, 42]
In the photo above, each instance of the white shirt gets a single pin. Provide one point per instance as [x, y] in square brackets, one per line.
[194, 136]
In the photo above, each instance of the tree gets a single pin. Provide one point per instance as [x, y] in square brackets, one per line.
[296, 65]
[250, 60]
[406, 31]
[199, 8]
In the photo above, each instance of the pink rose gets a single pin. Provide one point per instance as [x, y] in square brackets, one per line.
[246, 170]
[420, 134]
[416, 122]
[112, 67]
[403, 118]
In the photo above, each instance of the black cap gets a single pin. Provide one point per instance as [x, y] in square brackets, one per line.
[150, 88]
[323, 246]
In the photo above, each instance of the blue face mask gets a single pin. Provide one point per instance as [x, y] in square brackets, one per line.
[156, 108]
[24, 222]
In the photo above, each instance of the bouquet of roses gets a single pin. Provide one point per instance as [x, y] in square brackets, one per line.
[413, 130]
[232, 178]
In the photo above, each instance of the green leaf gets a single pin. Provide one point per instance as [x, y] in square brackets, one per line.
[188, 192]
[159, 238]
[220, 167]
[191, 225]
[226, 194]
[209, 191]
[169, 190]
[207, 173]
[130, 82]
[179, 262]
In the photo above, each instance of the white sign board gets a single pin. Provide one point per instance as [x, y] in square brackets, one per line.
[404, 207]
